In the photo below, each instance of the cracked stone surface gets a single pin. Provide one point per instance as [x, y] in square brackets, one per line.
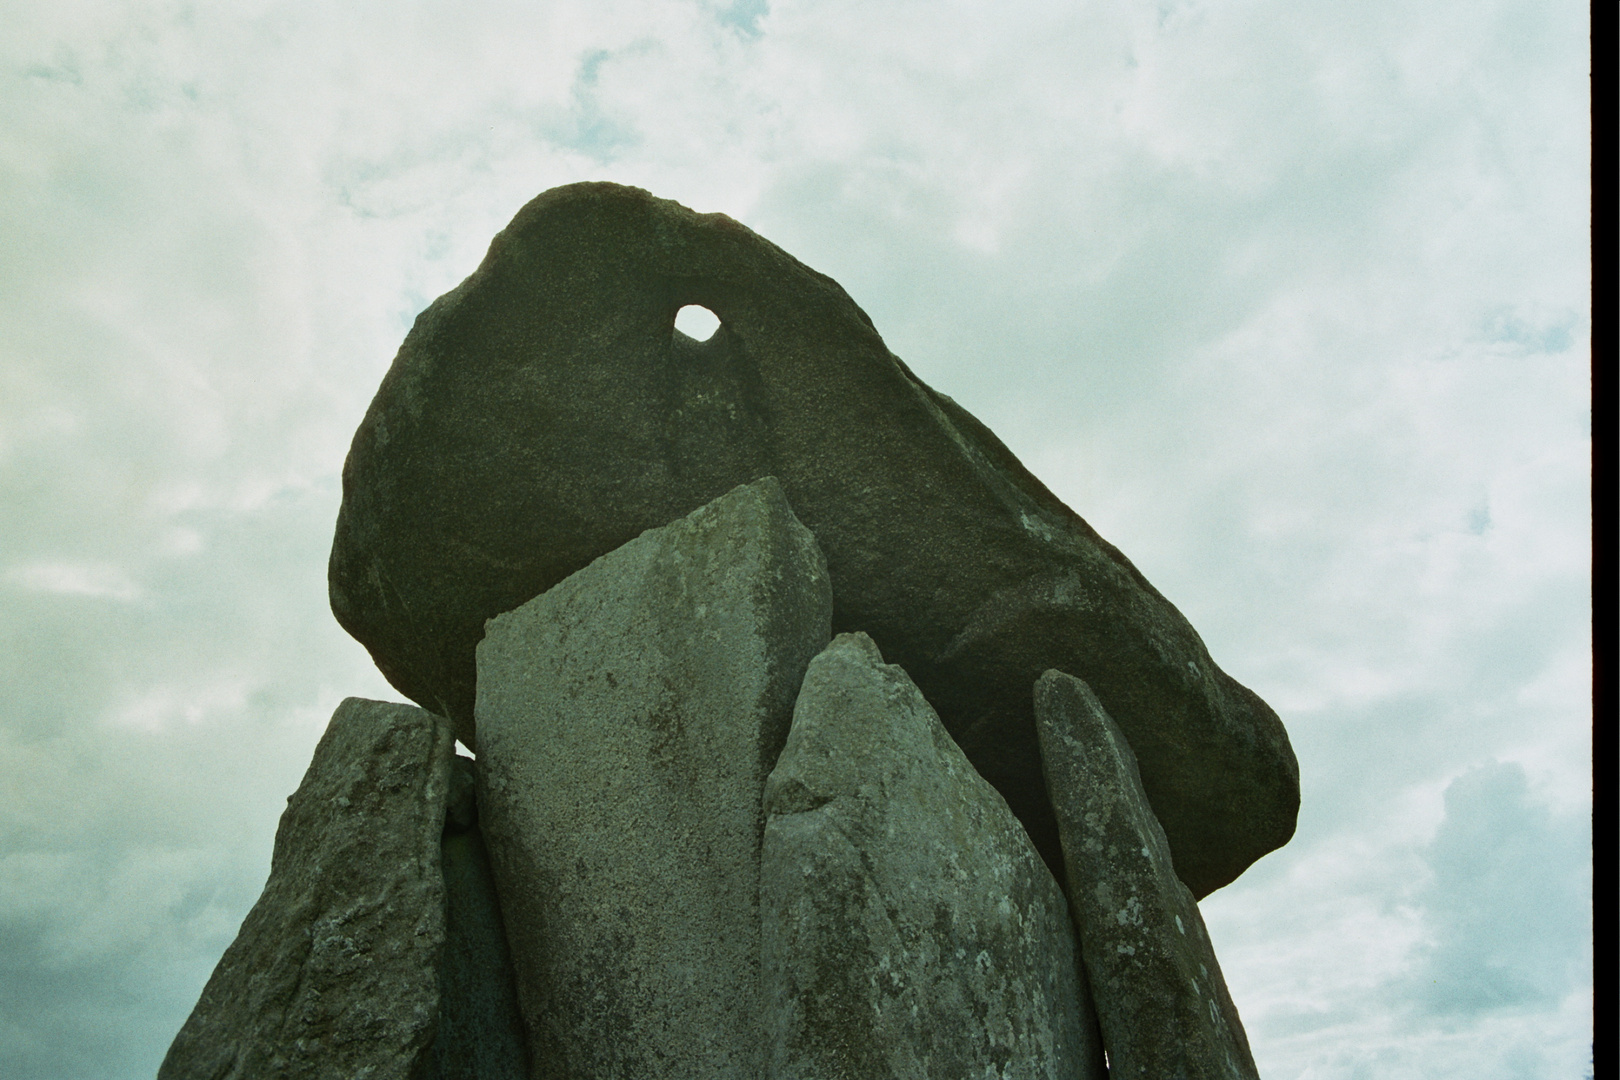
[910, 929]
[628, 718]
[1162, 1004]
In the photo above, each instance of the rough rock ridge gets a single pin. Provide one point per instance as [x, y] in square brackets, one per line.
[333, 973]
[1161, 1001]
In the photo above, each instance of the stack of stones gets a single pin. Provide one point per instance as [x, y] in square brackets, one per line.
[815, 739]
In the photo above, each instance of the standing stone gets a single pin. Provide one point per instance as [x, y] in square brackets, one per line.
[333, 975]
[1161, 1002]
[547, 411]
[480, 1034]
[910, 930]
[627, 720]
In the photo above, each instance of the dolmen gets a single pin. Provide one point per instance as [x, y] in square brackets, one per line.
[812, 737]
[546, 411]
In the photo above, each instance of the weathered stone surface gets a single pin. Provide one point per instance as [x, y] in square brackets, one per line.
[480, 1030]
[333, 974]
[1161, 1002]
[910, 929]
[545, 412]
[627, 721]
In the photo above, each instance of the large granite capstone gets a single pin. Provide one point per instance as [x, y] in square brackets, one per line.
[546, 411]
[909, 929]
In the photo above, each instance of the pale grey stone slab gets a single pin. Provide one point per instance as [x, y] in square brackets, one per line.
[627, 719]
[334, 973]
[910, 929]
[1162, 1004]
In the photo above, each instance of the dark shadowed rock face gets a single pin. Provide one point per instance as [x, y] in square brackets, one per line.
[480, 1034]
[1161, 1002]
[909, 929]
[376, 949]
[334, 972]
[546, 411]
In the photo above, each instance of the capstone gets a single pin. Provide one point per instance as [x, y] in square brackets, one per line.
[546, 411]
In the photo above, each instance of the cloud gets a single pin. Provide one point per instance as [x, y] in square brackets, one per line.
[96, 580]
[1446, 935]
[1509, 906]
[123, 939]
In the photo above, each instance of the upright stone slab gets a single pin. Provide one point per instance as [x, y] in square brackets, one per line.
[910, 929]
[627, 720]
[1161, 1002]
[333, 974]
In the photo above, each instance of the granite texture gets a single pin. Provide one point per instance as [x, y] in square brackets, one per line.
[1163, 1007]
[628, 718]
[911, 932]
[334, 974]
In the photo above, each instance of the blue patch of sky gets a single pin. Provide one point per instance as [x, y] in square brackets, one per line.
[56, 74]
[374, 189]
[1507, 908]
[45, 998]
[744, 16]
[1506, 326]
[587, 129]
[351, 197]
[1169, 10]
[437, 245]
[63, 68]
[414, 303]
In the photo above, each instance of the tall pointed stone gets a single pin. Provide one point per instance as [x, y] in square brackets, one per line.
[910, 929]
[334, 972]
[627, 720]
[1162, 1005]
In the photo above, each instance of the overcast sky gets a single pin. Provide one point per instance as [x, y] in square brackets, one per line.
[1289, 300]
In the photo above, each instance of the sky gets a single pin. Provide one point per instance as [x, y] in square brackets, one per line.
[1289, 301]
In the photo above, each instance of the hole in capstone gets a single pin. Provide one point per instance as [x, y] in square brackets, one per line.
[696, 322]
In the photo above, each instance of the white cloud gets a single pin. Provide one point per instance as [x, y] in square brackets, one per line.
[154, 708]
[1446, 934]
[96, 580]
